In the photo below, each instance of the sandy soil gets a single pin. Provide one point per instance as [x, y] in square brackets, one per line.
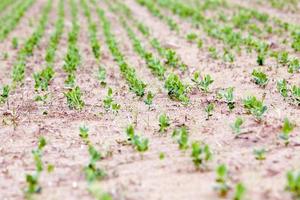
[130, 175]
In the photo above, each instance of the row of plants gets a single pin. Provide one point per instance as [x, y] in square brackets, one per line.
[19, 66]
[32, 180]
[227, 34]
[44, 77]
[93, 174]
[169, 55]
[71, 63]
[95, 44]
[12, 19]
[5, 4]
[135, 84]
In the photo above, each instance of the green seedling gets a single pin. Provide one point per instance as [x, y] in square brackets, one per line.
[102, 76]
[109, 102]
[5, 94]
[139, 143]
[176, 89]
[209, 109]
[162, 155]
[282, 87]
[164, 123]
[92, 173]
[227, 94]
[201, 154]
[255, 107]
[202, 83]
[213, 52]
[260, 154]
[295, 91]
[293, 65]
[149, 99]
[74, 98]
[84, 133]
[286, 130]
[42, 79]
[182, 137]
[15, 43]
[70, 80]
[222, 186]
[236, 126]
[240, 191]
[260, 78]
[293, 183]
[33, 186]
[191, 37]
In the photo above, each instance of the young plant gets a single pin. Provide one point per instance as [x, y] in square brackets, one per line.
[202, 83]
[286, 130]
[149, 99]
[255, 107]
[209, 109]
[282, 87]
[176, 89]
[240, 191]
[42, 79]
[222, 186]
[164, 123]
[201, 154]
[293, 183]
[5, 94]
[33, 186]
[109, 102]
[139, 143]
[295, 91]
[227, 94]
[74, 98]
[182, 136]
[102, 75]
[260, 78]
[84, 133]
[236, 126]
[15, 43]
[191, 37]
[260, 154]
[213, 52]
[92, 173]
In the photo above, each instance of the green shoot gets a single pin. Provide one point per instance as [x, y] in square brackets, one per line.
[164, 123]
[236, 126]
[191, 37]
[227, 94]
[201, 154]
[5, 94]
[203, 83]
[260, 78]
[286, 130]
[240, 191]
[74, 99]
[260, 154]
[293, 184]
[255, 107]
[282, 87]
[209, 109]
[102, 75]
[139, 143]
[182, 137]
[176, 89]
[222, 186]
[149, 99]
[15, 43]
[109, 102]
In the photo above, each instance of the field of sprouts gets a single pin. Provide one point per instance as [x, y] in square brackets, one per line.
[150, 99]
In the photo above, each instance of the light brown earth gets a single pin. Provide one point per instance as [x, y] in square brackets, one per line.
[130, 175]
